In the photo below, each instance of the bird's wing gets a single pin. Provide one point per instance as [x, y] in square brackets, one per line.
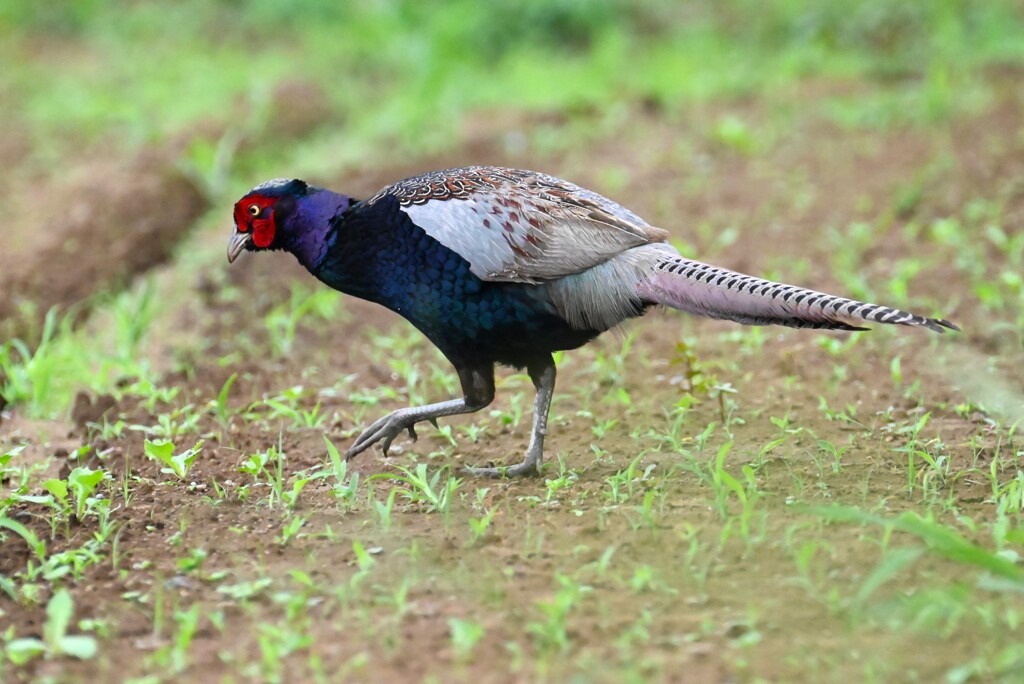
[519, 226]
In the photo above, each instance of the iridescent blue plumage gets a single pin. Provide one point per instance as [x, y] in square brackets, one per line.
[411, 273]
[506, 266]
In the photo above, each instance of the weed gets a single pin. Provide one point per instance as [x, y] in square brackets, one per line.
[550, 631]
[180, 421]
[282, 322]
[29, 376]
[286, 406]
[56, 641]
[242, 591]
[82, 482]
[384, 509]
[35, 544]
[220, 405]
[423, 489]
[173, 657]
[746, 491]
[624, 484]
[175, 464]
[268, 468]
[939, 539]
[465, 634]
[345, 486]
[478, 527]
[290, 529]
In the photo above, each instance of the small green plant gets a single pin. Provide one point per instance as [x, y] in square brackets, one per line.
[465, 634]
[473, 431]
[268, 467]
[82, 482]
[290, 529]
[835, 452]
[697, 380]
[283, 321]
[624, 484]
[478, 526]
[35, 544]
[243, 591]
[187, 622]
[28, 376]
[193, 561]
[312, 418]
[220, 406]
[175, 464]
[565, 480]
[106, 430]
[256, 464]
[384, 509]
[180, 421]
[940, 540]
[14, 477]
[514, 415]
[601, 428]
[56, 641]
[72, 496]
[550, 632]
[290, 497]
[364, 556]
[345, 485]
[59, 499]
[423, 489]
[724, 484]
[732, 133]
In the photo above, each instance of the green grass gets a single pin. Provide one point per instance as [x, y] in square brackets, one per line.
[102, 356]
[401, 68]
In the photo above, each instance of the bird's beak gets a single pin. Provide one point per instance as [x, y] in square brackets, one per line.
[238, 242]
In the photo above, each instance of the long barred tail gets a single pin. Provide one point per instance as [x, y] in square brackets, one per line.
[707, 290]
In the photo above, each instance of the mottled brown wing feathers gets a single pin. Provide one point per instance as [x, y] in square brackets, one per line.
[518, 225]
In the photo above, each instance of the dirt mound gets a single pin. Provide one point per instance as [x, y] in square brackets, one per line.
[112, 220]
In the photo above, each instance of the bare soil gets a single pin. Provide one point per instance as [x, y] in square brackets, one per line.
[71, 237]
[781, 200]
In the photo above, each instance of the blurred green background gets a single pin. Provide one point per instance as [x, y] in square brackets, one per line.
[314, 85]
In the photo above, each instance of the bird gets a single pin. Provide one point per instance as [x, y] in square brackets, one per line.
[502, 266]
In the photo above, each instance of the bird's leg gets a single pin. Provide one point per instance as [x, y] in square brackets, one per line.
[477, 386]
[542, 372]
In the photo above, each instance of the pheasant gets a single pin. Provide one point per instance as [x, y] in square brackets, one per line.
[506, 266]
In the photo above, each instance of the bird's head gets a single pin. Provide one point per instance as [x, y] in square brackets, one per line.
[287, 214]
[261, 216]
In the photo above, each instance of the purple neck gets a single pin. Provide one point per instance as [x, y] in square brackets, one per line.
[308, 225]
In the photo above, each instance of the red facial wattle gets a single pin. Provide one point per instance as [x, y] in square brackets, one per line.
[260, 222]
[263, 231]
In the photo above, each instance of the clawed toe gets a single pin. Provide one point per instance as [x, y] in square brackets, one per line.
[384, 430]
[524, 469]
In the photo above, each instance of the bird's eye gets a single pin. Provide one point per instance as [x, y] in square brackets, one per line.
[254, 209]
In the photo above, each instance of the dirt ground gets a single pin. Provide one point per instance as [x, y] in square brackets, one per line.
[67, 239]
[781, 201]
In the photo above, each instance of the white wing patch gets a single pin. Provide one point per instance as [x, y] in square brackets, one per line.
[519, 238]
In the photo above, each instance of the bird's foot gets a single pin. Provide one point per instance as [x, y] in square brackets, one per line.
[384, 430]
[528, 468]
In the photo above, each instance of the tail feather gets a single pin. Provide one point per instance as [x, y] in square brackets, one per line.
[707, 290]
